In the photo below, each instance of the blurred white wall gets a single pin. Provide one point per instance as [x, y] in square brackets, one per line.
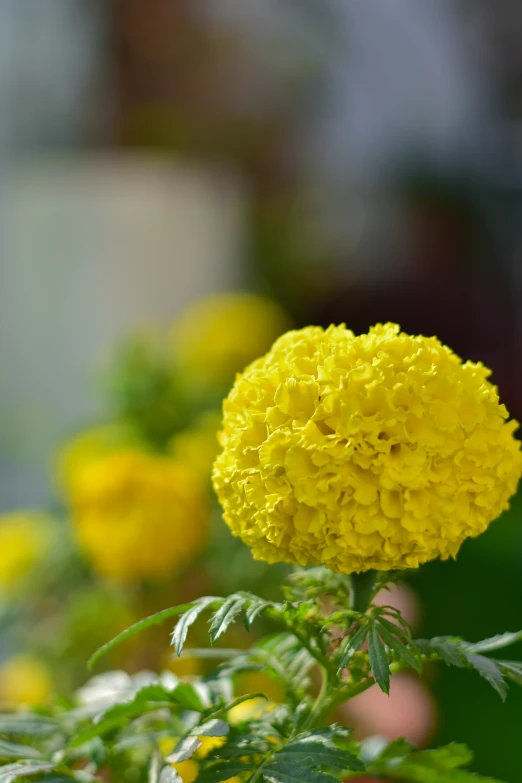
[92, 247]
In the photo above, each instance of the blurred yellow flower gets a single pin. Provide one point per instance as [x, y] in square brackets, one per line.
[139, 515]
[219, 335]
[24, 680]
[378, 451]
[188, 770]
[25, 537]
[251, 709]
[90, 445]
[196, 448]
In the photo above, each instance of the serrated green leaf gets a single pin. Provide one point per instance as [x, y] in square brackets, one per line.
[495, 642]
[449, 651]
[489, 669]
[222, 771]
[188, 618]
[355, 642]
[288, 773]
[378, 660]
[212, 728]
[511, 669]
[253, 611]
[395, 628]
[147, 622]
[319, 754]
[405, 654]
[225, 616]
[12, 750]
[397, 616]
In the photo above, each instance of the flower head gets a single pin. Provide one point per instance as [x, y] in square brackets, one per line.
[221, 334]
[89, 446]
[377, 451]
[25, 537]
[24, 680]
[139, 515]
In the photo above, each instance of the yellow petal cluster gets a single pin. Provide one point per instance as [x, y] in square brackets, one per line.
[381, 451]
[25, 537]
[221, 334]
[139, 516]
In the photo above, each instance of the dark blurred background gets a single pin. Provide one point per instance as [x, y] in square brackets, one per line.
[357, 161]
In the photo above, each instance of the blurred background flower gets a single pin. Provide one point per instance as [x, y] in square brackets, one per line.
[296, 163]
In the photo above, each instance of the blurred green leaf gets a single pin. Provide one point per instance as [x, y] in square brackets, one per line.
[147, 622]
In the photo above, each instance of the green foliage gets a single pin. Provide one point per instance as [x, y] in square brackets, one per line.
[400, 761]
[325, 653]
[457, 652]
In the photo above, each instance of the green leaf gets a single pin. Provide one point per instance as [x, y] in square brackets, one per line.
[512, 670]
[495, 642]
[490, 671]
[450, 756]
[318, 753]
[449, 651]
[212, 728]
[12, 750]
[138, 704]
[97, 730]
[11, 772]
[400, 761]
[407, 655]
[179, 635]
[395, 628]
[225, 616]
[235, 702]
[147, 622]
[184, 750]
[222, 771]
[282, 772]
[187, 697]
[26, 725]
[378, 660]
[253, 611]
[355, 642]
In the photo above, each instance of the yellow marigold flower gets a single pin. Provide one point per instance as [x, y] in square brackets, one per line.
[198, 446]
[90, 445]
[377, 451]
[139, 515]
[24, 680]
[24, 539]
[221, 334]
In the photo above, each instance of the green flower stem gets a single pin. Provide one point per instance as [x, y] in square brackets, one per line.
[338, 696]
[316, 712]
[362, 589]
